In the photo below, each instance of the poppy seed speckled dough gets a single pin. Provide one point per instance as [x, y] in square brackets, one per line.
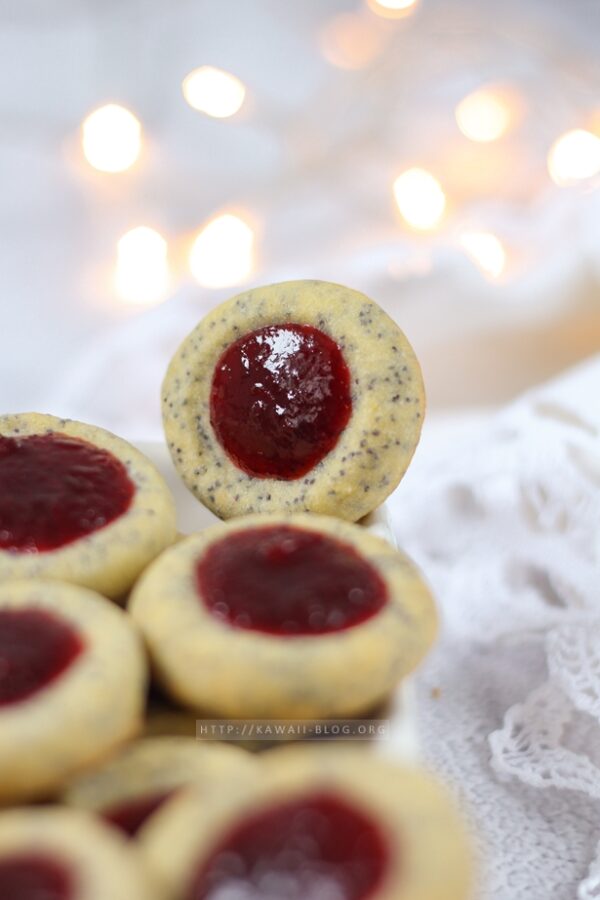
[52, 853]
[341, 667]
[85, 693]
[317, 823]
[78, 504]
[354, 441]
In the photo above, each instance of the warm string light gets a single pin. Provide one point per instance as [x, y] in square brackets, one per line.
[214, 92]
[111, 138]
[420, 198]
[574, 157]
[391, 9]
[142, 273]
[222, 254]
[351, 41]
[486, 114]
[486, 251]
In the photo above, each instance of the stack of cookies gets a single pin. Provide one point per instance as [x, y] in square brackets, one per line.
[291, 412]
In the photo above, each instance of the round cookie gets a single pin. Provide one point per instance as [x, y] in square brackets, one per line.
[295, 616]
[62, 854]
[78, 504]
[72, 684]
[132, 786]
[316, 824]
[301, 396]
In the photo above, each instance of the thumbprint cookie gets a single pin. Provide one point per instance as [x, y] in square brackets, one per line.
[132, 786]
[53, 853]
[288, 616]
[78, 504]
[316, 825]
[72, 684]
[297, 397]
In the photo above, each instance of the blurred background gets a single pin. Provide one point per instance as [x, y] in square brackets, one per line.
[156, 157]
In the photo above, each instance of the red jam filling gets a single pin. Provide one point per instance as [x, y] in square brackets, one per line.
[309, 849]
[288, 581]
[55, 489]
[280, 399]
[33, 877]
[130, 816]
[36, 647]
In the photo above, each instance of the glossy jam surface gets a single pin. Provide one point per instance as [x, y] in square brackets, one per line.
[314, 848]
[280, 399]
[36, 647]
[55, 489]
[288, 581]
[130, 816]
[33, 877]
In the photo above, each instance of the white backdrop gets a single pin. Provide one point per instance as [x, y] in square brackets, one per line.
[311, 157]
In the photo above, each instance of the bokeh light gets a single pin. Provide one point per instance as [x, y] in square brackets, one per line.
[486, 251]
[142, 273]
[391, 9]
[351, 41]
[222, 254]
[111, 138]
[574, 157]
[214, 92]
[486, 114]
[420, 198]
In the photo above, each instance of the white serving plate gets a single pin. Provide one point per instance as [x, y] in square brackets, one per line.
[401, 740]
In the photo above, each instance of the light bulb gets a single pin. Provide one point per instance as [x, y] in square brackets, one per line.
[420, 198]
[142, 272]
[574, 157]
[112, 138]
[222, 254]
[391, 9]
[485, 115]
[214, 92]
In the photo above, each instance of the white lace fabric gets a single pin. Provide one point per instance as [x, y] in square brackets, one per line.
[506, 526]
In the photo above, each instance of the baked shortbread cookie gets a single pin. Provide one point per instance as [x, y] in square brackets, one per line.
[293, 616]
[63, 854]
[72, 684]
[301, 396]
[317, 824]
[78, 504]
[132, 786]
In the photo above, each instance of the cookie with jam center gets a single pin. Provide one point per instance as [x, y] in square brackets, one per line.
[129, 789]
[60, 854]
[301, 396]
[316, 824]
[295, 616]
[78, 504]
[73, 679]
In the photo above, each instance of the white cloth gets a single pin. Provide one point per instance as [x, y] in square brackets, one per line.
[506, 525]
